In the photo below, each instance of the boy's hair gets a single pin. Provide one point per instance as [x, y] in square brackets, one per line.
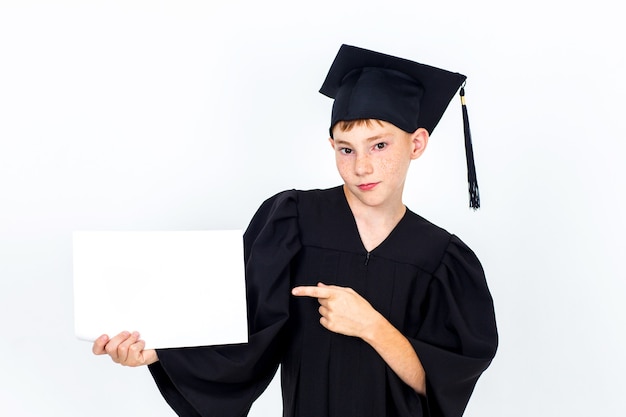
[347, 125]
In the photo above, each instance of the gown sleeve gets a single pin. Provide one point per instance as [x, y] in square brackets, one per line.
[458, 337]
[225, 380]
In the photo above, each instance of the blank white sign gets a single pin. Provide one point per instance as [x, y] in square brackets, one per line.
[176, 288]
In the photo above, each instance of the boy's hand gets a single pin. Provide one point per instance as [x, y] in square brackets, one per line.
[342, 309]
[126, 349]
[346, 312]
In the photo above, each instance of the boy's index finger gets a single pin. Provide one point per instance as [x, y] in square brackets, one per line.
[311, 291]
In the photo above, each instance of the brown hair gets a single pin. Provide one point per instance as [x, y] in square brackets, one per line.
[347, 125]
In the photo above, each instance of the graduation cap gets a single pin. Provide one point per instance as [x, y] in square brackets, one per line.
[371, 85]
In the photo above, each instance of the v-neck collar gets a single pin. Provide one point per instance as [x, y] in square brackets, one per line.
[355, 228]
[326, 222]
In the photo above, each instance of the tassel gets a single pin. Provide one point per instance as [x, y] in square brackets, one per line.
[469, 156]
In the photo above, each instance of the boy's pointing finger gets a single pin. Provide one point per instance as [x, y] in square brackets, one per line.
[310, 291]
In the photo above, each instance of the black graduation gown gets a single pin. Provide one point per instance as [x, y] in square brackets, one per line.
[425, 281]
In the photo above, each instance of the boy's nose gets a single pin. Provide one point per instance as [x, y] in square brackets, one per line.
[363, 165]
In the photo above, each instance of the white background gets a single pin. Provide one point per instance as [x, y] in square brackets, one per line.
[184, 115]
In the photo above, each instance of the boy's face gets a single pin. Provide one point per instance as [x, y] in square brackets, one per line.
[374, 160]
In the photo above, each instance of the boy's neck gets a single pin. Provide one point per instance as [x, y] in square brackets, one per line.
[389, 212]
[375, 223]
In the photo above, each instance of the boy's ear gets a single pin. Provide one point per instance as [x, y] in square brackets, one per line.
[419, 140]
[332, 142]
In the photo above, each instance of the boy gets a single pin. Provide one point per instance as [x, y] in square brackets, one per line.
[370, 309]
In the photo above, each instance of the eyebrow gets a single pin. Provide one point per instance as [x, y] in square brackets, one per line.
[368, 140]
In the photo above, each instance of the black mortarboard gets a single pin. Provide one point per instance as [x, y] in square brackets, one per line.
[371, 85]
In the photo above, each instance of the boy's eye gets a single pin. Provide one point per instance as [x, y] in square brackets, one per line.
[345, 151]
[380, 145]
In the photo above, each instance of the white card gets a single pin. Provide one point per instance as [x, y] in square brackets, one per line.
[176, 288]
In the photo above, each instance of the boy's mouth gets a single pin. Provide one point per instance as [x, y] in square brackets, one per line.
[367, 187]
